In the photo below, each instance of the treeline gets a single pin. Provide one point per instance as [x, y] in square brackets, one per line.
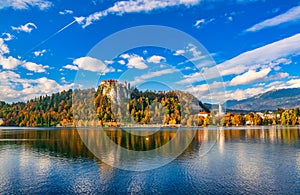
[41, 111]
[280, 117]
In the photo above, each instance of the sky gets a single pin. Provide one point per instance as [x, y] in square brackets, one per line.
[216, 49]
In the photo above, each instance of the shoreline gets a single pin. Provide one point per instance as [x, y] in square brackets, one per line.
[139, 128]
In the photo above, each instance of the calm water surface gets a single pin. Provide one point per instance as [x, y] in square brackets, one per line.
[263, 160]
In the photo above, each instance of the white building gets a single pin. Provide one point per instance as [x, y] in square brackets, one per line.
[220, 111]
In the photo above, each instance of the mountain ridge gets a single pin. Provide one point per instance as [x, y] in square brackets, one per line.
[272, 100]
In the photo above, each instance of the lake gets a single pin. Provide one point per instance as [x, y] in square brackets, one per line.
[248, 160]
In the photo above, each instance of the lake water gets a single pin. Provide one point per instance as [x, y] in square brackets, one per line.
[261, 160]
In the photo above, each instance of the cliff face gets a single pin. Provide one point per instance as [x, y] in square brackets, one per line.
[116, 91]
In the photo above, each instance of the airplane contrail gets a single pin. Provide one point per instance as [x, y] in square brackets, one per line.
[51, 36]
[65, 27]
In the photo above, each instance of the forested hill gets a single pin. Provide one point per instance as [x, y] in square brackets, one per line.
[129, 105]
[41, 111]
[141, 107]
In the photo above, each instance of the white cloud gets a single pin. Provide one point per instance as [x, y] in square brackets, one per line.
[31, 66]
[40, 53]
[108, 62]
[71, 67]
[150, 75]
[194, 77]
[79, 20]
[125, 56]
[156, 59]
[26, 27]
[137, 6]
[158, 73]
[262, 56]
[213, 92]
[66, 11]
[260, 84]
[43, 86]
[122, 62]
[240, 94]
[294, 83]
[7, 77]
[63, 79]
[268, 56]
[276, 64]
[278, 76]
[3, 47]
[13, 88]
[291, 15]
[243, 94]
[205, 88]
[122, 7]
[203, 75]
[284, 61]
[25, 4]
[92, 64]
[192, 53]
[179, 52]
[9, 63]
[199, 23]
[7, 36]
[250, 77]
[274, 84]
[200, 89]
[135, 61]
[194, 50]
[220, 95]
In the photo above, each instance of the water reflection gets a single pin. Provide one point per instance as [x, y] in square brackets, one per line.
[272, 134]
[61, 142]
[132, 150]
[251, 160]
[68, 143]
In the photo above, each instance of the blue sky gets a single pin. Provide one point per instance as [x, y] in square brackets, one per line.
[255, 45]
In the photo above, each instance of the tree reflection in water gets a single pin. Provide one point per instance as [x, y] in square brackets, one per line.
[68, 143]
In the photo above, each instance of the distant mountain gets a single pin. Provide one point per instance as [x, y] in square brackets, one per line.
[282, 98]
